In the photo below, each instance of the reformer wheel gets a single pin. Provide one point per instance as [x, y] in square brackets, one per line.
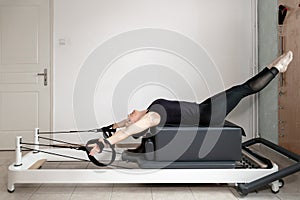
[281, 184]
[10, 191]
[274, 192]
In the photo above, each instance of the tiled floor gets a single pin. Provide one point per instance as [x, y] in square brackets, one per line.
[290, 191]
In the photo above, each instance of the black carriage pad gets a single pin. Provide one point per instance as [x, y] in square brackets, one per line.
[150, 164]
[194, 143]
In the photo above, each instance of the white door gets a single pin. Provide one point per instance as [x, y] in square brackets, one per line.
[24, 52]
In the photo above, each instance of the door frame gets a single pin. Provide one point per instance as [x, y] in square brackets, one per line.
[51, 66]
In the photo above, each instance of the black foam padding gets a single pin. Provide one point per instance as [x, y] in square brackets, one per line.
[146, 164]
[193, 143]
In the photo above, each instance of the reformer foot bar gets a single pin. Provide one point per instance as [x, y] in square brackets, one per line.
[246, 179]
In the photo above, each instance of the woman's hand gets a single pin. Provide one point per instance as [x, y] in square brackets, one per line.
[95, 149]
[95, 146]
[108, 131]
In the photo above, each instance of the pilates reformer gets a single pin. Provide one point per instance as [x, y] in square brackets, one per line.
[224, 160]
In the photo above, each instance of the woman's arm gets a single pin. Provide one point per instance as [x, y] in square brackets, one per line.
[120, 124]
[148, 120]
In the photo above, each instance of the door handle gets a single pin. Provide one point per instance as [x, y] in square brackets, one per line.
[45, 74]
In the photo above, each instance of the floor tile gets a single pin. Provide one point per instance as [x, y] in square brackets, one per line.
[260, 196]
[14, 196]
[212, 192]
[22, 192]
[6, 157]
[92, 195]
[131, 192]
[291, 184]
[7, 154]
[56, 188]
[2, 185]
[173, 192]
[90, 188]
[3, 175]
[3, 162]
[50, 197]
[290, 196]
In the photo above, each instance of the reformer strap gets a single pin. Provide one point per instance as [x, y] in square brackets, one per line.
[72, 131]
[101, 146]
[94, 141]
[108, 131]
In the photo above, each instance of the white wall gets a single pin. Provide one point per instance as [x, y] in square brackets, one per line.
[112, 56]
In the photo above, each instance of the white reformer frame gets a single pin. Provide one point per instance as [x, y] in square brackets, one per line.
[20, 172]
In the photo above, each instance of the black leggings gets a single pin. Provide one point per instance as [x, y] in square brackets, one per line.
[214, 110]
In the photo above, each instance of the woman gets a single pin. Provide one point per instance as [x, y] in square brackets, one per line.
[212, 111]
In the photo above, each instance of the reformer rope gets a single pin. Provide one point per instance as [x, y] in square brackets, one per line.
[105, 132]
[61, 146]
[71, 157]
[56, 154]
[54, 140]
[76, 147]
[49, 145]
[61, 141]
[91, 158]
[72, 131]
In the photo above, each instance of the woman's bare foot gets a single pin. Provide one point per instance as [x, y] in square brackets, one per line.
[282, 62]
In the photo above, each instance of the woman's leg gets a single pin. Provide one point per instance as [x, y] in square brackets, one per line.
[215, 109]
